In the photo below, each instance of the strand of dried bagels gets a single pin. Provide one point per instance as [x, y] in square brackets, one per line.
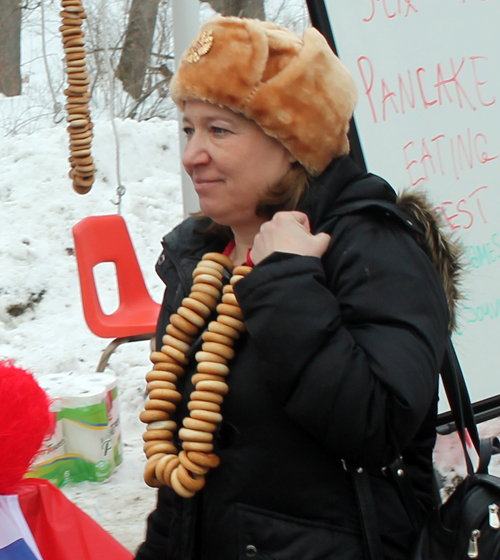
[185, 472]
[77, 96]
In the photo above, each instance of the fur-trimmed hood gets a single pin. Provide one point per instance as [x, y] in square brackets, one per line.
[445, 253]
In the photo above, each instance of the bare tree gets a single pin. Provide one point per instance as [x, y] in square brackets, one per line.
[241, 8]
[10, 47]
[137, 47]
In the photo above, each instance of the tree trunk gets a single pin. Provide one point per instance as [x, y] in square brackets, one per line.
[240, 8]
[10, 47]
[137, 47]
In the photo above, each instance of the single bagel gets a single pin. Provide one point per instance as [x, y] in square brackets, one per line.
[197, 377]
[160, 405]
[150, 435]
[160, 357]
[210, 460]
[163, 425]
[208, 279]
[176, 343]
[183, 324]
[225, 261]
[228, 289]
[161, 447]
[235, 278]
[193, 482]
[178, 487]
[213, 368]
[197, 306]
[206, 299]
[218, 387]
[177, 333]
[158, 384]
[191, 316]
[171, 367]
[147, 416]
[226, 330]
[211, 264]
[165, 394]
[205, 415]
[195, 435]
[207, 289]
[231, 322]
[149, 471]
[209, 336]
[203, 405]
[231, 310]
[199, 395]
[161, 466]
[200, 269]
[200, 446]
[230, 299]
[242, 270]
[158, 375]
[169, 467]
[176, 354]
[220, 349]
[188, 464]
[202, 356]
[194, 424]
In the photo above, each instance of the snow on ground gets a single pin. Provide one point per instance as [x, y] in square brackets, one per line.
[38, 273]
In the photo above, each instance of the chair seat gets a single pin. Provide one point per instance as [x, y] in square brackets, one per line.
[100, 239]
[130, 321]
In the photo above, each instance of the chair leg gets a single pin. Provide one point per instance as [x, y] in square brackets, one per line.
[112, 346]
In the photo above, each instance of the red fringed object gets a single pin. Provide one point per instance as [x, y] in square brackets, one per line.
[26, 421]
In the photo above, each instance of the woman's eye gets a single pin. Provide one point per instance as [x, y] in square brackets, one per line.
[188, 131]
[218, 131]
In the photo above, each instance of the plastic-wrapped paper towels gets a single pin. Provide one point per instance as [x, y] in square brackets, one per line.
[86, 444]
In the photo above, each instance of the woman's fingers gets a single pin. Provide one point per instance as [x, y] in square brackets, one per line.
[288, 232]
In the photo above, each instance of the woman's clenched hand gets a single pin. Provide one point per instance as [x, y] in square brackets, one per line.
[288, 232]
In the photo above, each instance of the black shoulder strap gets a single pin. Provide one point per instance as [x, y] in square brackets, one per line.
[461, 407]
[390, 208]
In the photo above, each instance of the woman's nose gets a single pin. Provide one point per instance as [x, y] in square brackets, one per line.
[195, 153]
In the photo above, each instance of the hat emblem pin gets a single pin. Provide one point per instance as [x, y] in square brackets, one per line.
[200, 46]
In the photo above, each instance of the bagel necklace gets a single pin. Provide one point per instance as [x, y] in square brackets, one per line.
[185, 471]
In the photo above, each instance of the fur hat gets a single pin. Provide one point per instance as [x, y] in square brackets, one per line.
[294, 88]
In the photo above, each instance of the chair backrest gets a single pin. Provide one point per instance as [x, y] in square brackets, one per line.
[100, 239]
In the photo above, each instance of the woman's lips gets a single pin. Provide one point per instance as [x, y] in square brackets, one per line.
[204, 184]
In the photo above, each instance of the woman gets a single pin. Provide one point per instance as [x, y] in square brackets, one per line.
[345, 317]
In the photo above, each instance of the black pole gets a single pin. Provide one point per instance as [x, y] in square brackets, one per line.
[320, 20]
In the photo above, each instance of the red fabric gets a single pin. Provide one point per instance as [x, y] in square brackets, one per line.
[229, 249]
[26, 421]
[61, 530]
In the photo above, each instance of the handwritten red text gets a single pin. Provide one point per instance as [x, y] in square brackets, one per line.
[446, 155]
[464, 213]
[391, 8]
[453, 82]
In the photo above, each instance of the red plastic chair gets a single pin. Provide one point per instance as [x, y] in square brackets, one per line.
[100, 239]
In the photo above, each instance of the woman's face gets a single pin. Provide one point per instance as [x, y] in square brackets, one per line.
[232, 162]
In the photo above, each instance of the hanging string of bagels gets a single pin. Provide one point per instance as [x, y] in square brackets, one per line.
[77, 96]
[185, 471]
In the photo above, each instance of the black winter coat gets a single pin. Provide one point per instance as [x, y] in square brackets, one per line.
[339, 364]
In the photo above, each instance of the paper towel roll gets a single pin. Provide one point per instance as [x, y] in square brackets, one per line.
[89, 415]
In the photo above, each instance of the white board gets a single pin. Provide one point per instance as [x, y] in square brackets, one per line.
[428, 116]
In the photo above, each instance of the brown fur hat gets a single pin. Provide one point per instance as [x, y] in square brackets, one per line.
[294, 88]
